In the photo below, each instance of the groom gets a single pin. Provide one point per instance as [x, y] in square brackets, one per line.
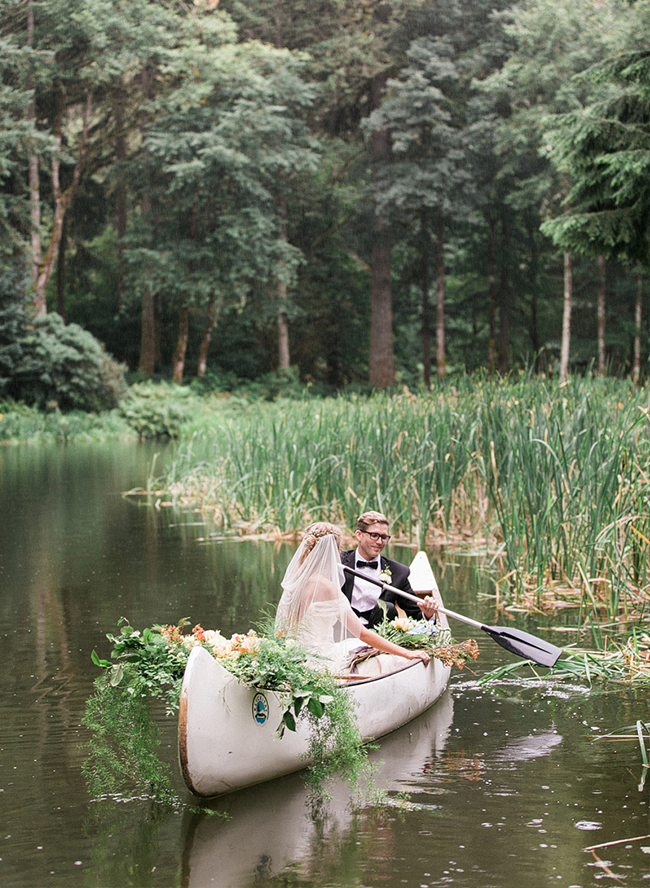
[372, 534]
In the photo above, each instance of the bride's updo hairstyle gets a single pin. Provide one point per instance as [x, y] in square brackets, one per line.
[315, 532]
[313, 582]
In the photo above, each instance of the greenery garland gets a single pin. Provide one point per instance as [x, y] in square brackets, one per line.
[149, 664]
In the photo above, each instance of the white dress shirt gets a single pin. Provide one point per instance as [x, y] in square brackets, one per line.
[365, 595]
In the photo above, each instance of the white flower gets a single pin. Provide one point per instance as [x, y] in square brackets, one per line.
[213, 636]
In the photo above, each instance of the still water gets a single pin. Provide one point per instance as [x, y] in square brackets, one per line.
[493, 787]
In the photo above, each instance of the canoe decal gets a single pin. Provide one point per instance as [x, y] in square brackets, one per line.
[260, 708]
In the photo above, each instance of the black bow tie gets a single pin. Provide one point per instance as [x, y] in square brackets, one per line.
[370, 564]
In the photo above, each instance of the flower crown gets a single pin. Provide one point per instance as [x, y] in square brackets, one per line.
[317, 532]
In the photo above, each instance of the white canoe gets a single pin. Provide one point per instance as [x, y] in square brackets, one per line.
[227, 731]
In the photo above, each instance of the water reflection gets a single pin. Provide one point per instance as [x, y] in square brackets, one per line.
[271, 827]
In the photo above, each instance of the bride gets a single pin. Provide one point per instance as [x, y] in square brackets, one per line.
[314, 611]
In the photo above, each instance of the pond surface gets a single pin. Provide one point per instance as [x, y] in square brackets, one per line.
[494, 786]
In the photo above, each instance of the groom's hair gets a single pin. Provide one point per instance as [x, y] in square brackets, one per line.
[369, 518]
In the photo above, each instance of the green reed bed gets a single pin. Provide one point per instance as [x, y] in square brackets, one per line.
[567, 478]
[551, 482]
[290, 463]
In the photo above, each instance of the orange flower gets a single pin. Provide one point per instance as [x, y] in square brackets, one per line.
[171, 634]
[198, 632]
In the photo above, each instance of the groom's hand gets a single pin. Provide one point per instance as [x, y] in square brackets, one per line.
[428, 606]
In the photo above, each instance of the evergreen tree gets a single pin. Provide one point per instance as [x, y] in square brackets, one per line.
[224, 149]
[13, 327]
[553, 42]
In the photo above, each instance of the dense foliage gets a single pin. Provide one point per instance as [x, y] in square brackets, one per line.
[13, 328]
[150, 665]
[359, 189]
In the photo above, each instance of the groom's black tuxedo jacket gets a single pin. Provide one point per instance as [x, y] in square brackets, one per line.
[399, 578]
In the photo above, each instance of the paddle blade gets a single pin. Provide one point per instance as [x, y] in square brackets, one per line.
[525, 645]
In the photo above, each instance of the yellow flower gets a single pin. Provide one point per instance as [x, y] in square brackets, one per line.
[402, 623]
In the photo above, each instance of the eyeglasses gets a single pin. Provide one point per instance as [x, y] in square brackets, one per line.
[377, 537]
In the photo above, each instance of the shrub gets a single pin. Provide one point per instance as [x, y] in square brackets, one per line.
[280, 383]
[158, 411]
[65, 366]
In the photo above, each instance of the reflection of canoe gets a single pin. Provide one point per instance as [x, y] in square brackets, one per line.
[227, 730]
[270, 827]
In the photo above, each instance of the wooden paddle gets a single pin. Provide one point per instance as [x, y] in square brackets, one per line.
[523, 644]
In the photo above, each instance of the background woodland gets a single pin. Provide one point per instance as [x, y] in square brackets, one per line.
[353, 193]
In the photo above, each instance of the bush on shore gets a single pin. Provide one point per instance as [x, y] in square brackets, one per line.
[62, 365]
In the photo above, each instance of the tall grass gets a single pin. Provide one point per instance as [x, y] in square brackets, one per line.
[552, 482]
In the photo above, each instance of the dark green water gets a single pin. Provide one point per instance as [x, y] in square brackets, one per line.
[504, 787]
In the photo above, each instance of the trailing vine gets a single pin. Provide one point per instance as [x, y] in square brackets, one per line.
[122, 753]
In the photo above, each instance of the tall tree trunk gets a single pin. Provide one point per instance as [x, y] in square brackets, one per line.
[284, 358]
[382, 361]
[425, 249]
[284, 355]
[534, 315]
[147, 362]
[157, 327]
[178, 361]
[492, 294]
[120, 196]
[147, 337]
[504, 295]
[382, 358]
[566, 318]
[62, 200]
[207, 336]
[638, 316]
[34, 185]
[441, 358]
[600, 314]
[277, 21]
[60, 272]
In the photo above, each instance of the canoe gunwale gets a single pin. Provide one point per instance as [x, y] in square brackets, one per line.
[356, 682]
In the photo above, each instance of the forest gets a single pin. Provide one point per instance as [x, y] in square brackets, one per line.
[355, 193]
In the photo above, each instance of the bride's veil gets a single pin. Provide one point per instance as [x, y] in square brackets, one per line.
[312, 597]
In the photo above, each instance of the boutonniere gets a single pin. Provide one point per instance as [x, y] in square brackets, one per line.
[385, 575]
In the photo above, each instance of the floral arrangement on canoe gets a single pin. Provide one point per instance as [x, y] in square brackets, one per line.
[150, 664]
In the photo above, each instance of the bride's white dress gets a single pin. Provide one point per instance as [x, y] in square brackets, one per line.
[322, 634]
